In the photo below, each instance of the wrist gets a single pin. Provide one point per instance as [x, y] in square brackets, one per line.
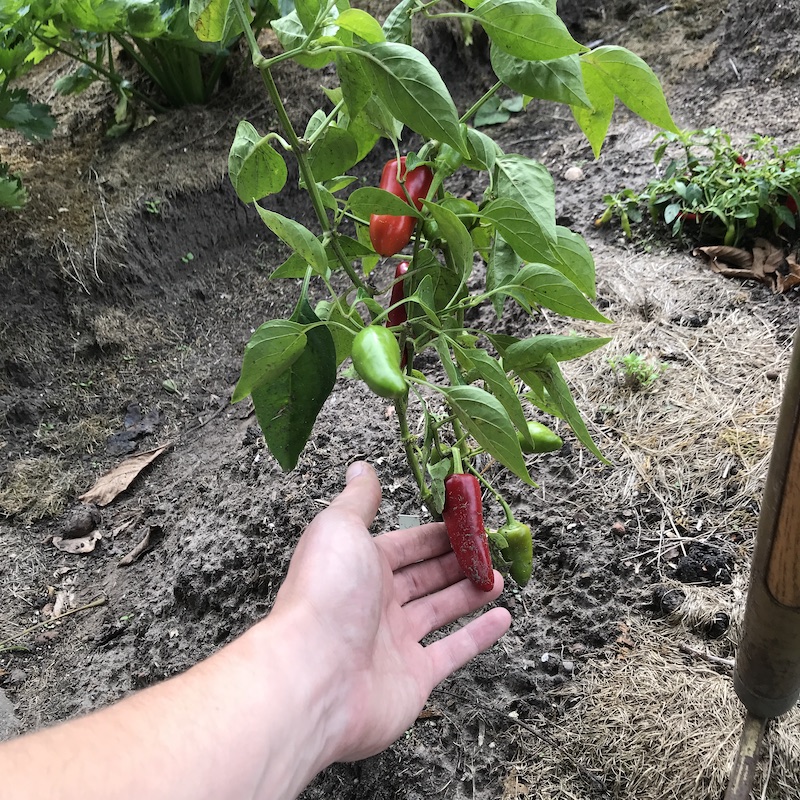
[293, 695]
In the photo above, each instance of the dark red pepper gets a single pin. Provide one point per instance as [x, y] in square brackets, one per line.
[463, 516]
[390, 234]
[399, 314]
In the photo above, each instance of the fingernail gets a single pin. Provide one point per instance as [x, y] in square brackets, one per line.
[355, 469]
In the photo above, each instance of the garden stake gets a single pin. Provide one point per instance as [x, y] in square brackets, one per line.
[767, 672]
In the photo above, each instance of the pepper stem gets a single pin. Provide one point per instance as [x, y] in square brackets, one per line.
[500, 499]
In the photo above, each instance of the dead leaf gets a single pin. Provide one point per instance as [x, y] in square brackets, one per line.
[624, 641]
[113, 483]
[734, 256]
[153, 535]
[84, 544]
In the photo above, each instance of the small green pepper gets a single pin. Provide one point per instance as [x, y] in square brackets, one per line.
[543, 439]
[376, 358]
[519, 550]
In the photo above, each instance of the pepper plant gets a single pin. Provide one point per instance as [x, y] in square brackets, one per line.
[454, 255]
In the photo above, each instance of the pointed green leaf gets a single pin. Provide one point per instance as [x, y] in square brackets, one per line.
[414, 91]
[559, 81]
[299, 238]
[455, 233]
[333, 153]
[370, 200]
[255, 168]
[397, 26]
[560, 395]
[503, 264]
[634, 83]
[208, 19]
[496, 382]
[361, 24]
[353, 78]
[307, 11]
[273, 348]
[515, 223]
[488, 423]
[530, 184]
[483, 151]
[546, 286]
[287, 408]
[526, 29]
[531, 353]
[594, 123]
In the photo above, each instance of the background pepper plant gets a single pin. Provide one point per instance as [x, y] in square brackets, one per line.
[492, 380]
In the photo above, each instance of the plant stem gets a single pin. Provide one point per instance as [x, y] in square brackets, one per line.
[478, 103]
[505, 506]
[299, 149]
[401, 406]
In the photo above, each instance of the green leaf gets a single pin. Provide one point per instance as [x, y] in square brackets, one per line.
[291, 34]
[12, 192]
[530, 184]
[299, 238]
[294, 267]
[343, 328]
[560, 395]
[559, 80]
[531, 353]
[273, 348]
[98, 16]
[573, 259]
[515, 223]
[287, 407]
[438, 472]
[307, 11]
[492, 112]
[361, 24]
[594, 123]
[353, 78]
[443, 283]
[455, 233]
[210, 19]
[494, 377]
[483, 151]
[503, 264]
[370, 200]
[362, 129]
[487, 421]
[397, 26]
[255, 168]
[414, 91]
[539, 283]
[526, 29]
[333, 153]
[633, 82]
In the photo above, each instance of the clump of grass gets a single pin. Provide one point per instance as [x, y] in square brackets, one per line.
[635, 371]
[35, 488]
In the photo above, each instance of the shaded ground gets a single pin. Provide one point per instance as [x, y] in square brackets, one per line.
[102, 309]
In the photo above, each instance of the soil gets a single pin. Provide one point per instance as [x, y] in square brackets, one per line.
[132, 282]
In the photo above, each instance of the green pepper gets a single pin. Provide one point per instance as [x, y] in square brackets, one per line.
[519, 550]
[448, 160]
[376, 358]
[542, 438]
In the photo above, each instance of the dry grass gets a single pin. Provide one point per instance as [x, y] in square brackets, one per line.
[35, 488]
[690, 456]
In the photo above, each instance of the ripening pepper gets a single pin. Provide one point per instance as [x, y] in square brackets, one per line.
[376, 358]
[519, 550]
[463, 517]
[399, 314]
[389, 234]
[544, 440]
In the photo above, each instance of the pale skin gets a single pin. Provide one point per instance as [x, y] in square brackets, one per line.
[336, 672]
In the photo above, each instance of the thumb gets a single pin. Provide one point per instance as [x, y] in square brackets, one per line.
[361, 495]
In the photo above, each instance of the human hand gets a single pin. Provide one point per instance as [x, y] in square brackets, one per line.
[364, 603]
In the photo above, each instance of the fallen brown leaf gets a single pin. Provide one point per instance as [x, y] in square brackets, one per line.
[153, 535]
[113, 483]
[83, 544]
[735, 256]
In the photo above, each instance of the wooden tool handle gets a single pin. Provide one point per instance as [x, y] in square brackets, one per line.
[767, 673]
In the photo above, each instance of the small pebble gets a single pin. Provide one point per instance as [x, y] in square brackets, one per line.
[574, 174]
[81, 521]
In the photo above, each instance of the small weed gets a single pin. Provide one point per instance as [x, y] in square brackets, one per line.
[635, 371]
[153, 205]
[187, 258]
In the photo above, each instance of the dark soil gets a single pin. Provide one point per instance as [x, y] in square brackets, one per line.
[114, 340]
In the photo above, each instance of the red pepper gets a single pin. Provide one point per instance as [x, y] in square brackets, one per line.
[390, 234]
[399, 314]
[463, 516]
[740, 160]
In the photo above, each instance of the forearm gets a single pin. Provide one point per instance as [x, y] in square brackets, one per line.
[247, 723]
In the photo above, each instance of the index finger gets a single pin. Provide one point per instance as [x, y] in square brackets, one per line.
[404, 547]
